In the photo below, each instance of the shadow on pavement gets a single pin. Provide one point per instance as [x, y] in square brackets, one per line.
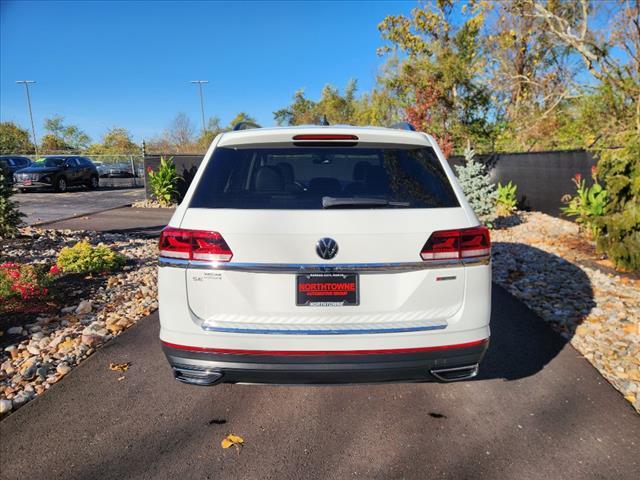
[519, 346]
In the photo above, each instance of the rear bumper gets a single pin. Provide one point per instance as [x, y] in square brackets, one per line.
[204, 366]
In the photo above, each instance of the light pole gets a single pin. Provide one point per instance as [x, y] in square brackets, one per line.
[33, 128]
[200, 82]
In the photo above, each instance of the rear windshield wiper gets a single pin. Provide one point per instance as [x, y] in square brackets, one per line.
[337, 202]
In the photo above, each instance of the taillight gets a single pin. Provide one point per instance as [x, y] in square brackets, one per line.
[475, 242]
[457, 244]
[175, 243]
[209, 246]
[194, 245]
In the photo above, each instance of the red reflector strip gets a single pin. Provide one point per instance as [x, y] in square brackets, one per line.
[325, 136]
[325, 352]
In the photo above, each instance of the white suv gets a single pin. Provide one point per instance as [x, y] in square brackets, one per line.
[326, 254]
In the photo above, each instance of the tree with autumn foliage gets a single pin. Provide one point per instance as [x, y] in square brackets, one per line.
[612, 112]
[532, 78]
[14, 139]
[438, 59]
[116, 141]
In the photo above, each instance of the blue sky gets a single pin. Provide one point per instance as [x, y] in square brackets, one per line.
[101, 64]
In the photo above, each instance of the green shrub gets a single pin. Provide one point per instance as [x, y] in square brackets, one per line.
[83, 258]
[588, 204]
[507, 199]
[164, 181]
[478, 188]
[619, 227]
[10, 215]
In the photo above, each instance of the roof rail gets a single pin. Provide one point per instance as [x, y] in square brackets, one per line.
[403, 126]
[245, 126]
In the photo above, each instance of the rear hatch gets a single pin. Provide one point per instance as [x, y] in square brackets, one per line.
[323, 238]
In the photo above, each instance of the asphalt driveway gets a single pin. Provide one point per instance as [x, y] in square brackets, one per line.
[49, 206]
[538, 411]
[141, 221]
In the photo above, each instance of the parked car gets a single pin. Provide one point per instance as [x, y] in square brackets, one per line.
[324, 255]
[103, 170]
[9, 164]
[119, 170]
[58, 172]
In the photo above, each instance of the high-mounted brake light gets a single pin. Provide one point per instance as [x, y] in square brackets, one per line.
[325, 136]
[457, 244]
[194, 245]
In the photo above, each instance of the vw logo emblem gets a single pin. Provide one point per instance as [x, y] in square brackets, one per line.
[326, 248]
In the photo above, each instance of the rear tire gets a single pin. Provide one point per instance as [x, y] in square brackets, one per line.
[94, 182]
[61, 184]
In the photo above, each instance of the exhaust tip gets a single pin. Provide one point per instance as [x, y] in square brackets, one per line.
[197, 377]
[455, 374]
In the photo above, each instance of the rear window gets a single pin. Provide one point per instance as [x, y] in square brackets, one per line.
[394, 176]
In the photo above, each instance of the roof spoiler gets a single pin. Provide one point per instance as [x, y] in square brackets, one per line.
[403, 126]
[245, 126]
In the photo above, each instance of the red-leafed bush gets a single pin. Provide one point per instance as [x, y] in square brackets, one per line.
[424, 114]
[25, 282]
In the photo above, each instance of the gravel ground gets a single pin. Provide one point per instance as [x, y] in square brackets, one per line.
[549, 264]
[51, 345]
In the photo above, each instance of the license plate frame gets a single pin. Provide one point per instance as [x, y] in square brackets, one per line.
[327, 289]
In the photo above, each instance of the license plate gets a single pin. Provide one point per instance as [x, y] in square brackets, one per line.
[26, 182]
[327, 289]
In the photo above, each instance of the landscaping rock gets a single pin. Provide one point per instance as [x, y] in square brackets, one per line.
[12, 350]
[84, 307]
[20, 399]
[91, 340]
[30, 372]
[5, 406]
[33, 349]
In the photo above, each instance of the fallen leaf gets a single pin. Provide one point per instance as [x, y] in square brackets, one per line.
[119, 367]
[230, 440]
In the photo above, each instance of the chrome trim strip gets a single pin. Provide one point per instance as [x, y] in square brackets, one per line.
[320, 267]
[352, 331]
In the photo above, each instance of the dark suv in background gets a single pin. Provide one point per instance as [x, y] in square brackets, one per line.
[58, 172]
[9, 164]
